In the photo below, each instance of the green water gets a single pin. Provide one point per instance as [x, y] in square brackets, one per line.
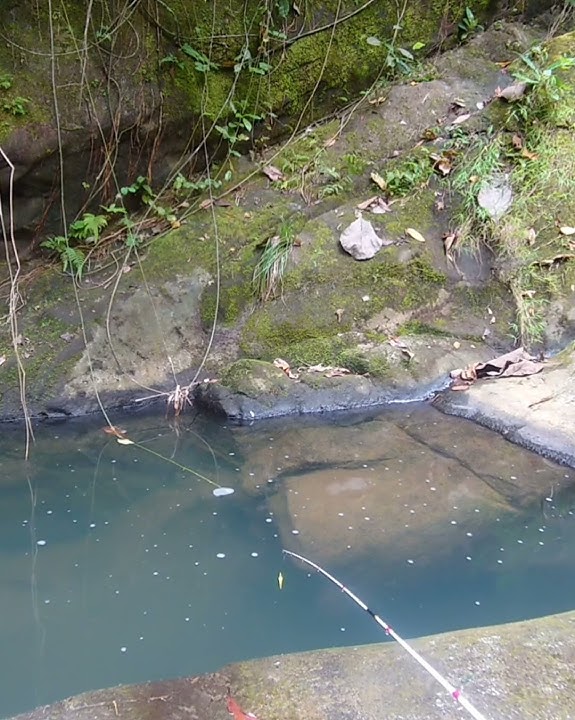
[119, 566]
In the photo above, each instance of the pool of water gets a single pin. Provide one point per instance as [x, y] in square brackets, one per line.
[119, 564]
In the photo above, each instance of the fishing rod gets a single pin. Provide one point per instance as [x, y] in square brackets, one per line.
[454, 692]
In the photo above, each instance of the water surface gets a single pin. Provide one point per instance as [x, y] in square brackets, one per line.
[120, 566]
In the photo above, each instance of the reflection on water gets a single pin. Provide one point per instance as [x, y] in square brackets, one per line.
[118, 566]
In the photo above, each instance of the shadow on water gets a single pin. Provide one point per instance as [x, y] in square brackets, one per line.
[119, 566]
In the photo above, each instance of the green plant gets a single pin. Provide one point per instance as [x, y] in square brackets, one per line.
[88, 227]
[183, 185]
[15, 106]
[283, 8]
[545, 88]
[482, 161]
[240, 124]
[398, 60]
[132, 239]
[5, 82]
[407, 175]
[269, 271]
[354, 163]
[532, 288]
[171, 60]
[202, 63]
[141, 187]
[468, 26]
[72, 258]
[336, 184]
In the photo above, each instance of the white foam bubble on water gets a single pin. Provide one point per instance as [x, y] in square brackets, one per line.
[220, 555]
[254, 554]
[221, 491]
[40, 542]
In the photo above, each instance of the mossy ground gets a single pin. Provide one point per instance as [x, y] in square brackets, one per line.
[533, 143]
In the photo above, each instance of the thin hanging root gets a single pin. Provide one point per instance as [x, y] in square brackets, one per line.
[454, 692]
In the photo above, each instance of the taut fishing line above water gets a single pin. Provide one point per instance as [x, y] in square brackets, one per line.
[218, 491]
[453, 691]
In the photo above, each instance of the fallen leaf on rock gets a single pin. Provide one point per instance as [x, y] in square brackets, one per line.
[366, 203]
[461, 119]
[378, 100]
[567, 230]
[378, 180]
[283, 365]
[337, 372]
[511, 93]
[517, 363]
[375, 205]
[450, 243]
[400, 345]
[273, 173]
[327, 370]
[415, 234]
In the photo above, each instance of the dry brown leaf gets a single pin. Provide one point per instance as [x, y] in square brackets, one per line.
[366, 203]
[517, 142]
[375, 205]
[528, 154]
[2, 359]
[400, 345]
[124, 441]
[207, 203]
[283, 365]
[444, 166]
[273, 173]
[336, 372]
[415, 234]
[461, 119]
[567, 230]
[531, 236]
[113, 430]
[378, 180]
[450, 243]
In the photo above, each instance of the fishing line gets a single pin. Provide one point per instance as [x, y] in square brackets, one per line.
[219, 489]
[454, 692]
